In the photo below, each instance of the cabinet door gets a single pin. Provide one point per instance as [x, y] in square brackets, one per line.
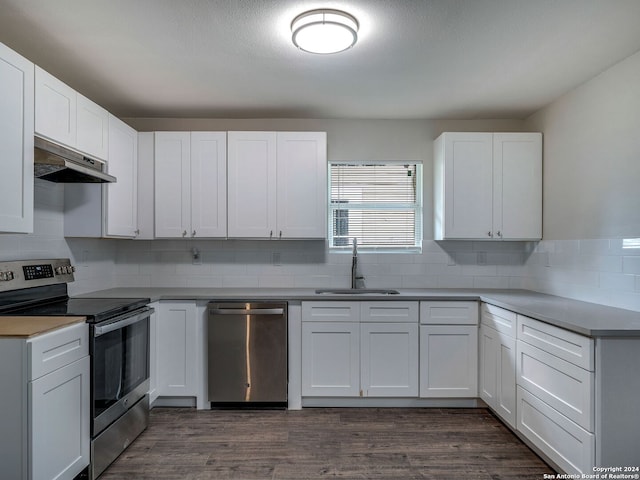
[498, 373]
[172, 184]
[302, 184]
[16, 142]
[389, 359]
[252, 184]
[330, 359]
[208, 184]
[467, 170]
[488, 367]
[145, 187]
[92, 134]
[517, 184]
[121, 218]
[55, 109]
[176, 354]
[448, 361]
[60, 413]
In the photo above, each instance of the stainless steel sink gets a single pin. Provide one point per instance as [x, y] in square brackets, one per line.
[357, 291]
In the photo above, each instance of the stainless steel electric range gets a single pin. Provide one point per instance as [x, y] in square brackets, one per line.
[118, 348]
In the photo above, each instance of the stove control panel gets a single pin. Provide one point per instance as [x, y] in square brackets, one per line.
[32, 273]
[36, 272]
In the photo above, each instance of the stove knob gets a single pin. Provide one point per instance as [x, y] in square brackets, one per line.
[72, 269]
[6, 276]
[59, 270]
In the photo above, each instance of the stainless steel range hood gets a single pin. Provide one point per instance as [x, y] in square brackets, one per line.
[58, 164]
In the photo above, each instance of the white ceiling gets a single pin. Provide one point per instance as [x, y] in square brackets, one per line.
[234, 58]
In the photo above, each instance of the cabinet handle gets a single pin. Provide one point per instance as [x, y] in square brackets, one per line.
[499, 233]
[280, 233]
[184, 234]
[136, 232]
[489, 234]
[271, 234]
[193, 234]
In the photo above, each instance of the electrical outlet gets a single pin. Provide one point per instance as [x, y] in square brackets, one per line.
[482, 258]
[275, 259]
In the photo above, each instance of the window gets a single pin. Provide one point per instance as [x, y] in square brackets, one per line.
[379, 203]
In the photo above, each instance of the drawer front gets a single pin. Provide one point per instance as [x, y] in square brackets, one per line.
[499, 319]
[564, 386]
[448, 313]
[572, 448]
[570, 346]
[330, 311]
[58, 348]
[406, 312]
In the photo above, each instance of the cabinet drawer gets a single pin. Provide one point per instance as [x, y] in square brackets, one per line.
[330, 311]
[572, 448]
[389, 312]
[449, 313]
[58, 348]
[499, 319]
[570, 346]
[562, 385]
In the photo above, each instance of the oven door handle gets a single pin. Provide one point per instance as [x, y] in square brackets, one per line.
[125, 322]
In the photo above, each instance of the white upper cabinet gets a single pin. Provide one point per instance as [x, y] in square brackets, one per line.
[107, 209]
[488, 186]
[64, 116]
[16, 142]
[92, 128]
[122, 197]
[190, 184]
[277, 184]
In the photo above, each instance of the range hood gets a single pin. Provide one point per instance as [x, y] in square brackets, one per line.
[58, 164]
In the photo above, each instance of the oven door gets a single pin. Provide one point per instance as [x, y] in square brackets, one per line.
[119, 366]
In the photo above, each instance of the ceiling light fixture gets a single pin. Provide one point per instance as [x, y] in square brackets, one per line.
[324, 31]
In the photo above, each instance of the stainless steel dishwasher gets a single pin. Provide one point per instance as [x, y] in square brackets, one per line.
[247, 353]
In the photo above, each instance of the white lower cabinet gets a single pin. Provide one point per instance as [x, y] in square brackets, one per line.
[176, 349]
[555, 394]
[367, 349]
[45, 405]
[448, 349]
[497, 368]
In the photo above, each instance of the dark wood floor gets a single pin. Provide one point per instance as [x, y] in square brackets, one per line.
[362, 443]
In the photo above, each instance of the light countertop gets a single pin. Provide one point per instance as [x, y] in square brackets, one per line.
[589, 319]
[26, 327]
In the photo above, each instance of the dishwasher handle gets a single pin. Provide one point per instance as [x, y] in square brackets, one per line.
[244, 311]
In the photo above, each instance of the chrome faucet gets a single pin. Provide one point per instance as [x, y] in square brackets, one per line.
[357, 279]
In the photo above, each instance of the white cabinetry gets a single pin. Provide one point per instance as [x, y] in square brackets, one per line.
[555, 393]
[488, 186]
[277, 184]
[448, 349]
[64, 116]
[498, 361]
[16, 142]
[367, 349]
[190, 184]
[110, 209]
[45, 406]
[176, 349]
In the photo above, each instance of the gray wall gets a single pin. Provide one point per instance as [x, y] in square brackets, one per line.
[592, 157]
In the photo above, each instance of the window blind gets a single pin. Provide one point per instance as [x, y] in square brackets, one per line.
[380, 204]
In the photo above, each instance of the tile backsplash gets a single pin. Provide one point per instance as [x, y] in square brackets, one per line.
[605, 271]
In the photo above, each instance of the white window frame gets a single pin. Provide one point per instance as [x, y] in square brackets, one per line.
[418, 208]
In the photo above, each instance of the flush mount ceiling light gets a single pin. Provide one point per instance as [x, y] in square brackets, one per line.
[324, 31]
